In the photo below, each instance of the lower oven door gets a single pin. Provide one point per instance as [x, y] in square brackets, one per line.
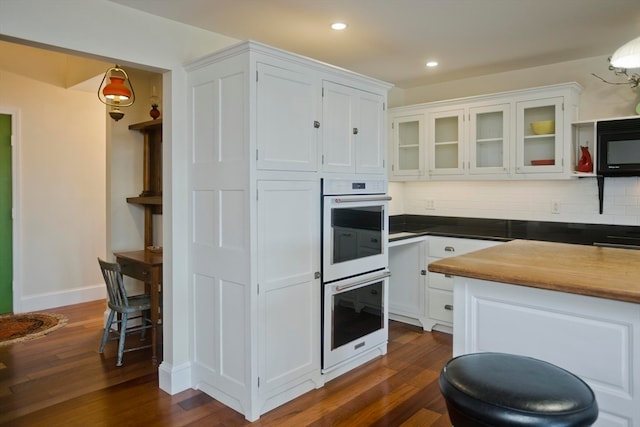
[355, 317]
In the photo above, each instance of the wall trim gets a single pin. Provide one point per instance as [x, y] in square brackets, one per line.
[62, 298]
[174, 379]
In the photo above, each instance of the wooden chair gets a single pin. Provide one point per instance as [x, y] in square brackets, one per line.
[122, 304]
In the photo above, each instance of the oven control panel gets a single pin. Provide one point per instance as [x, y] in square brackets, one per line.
[332, 187]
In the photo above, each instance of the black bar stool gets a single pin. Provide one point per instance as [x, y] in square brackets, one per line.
[498, 389]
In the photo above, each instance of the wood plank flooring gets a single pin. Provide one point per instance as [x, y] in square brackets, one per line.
[61, 379]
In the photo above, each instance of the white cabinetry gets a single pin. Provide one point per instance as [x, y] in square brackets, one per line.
[287, 104]
[407, 146]
[472, 140]
[446, 137]
[407, 284]
[289, 296]
[594, 338]
[488, 136]
[440, 286]
[489, 139]
[353, 130]
[541, 153]
[254, 221]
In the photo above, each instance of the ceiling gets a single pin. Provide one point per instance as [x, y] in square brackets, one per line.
[393, 39]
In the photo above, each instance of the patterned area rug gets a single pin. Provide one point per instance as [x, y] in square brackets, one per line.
[26, 326]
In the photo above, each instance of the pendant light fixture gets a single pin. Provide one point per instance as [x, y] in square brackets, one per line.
[117, 92]
[627, 55]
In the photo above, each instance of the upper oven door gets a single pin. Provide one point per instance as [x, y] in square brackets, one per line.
[355, 235]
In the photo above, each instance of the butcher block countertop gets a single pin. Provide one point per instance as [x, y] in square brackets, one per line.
[602, 272]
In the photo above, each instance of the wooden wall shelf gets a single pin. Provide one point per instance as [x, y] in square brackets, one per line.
[151, 196]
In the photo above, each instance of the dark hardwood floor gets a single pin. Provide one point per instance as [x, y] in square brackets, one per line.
[60, 379]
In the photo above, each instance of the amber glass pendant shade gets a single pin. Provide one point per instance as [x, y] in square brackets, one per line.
[116, 89]
[117, 93]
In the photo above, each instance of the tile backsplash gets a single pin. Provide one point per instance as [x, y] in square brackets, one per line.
[574, 200]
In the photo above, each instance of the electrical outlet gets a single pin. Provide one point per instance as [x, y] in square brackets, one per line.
[429, 204]
[555, 207]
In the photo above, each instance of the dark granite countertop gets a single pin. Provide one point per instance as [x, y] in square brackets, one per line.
[507, 229]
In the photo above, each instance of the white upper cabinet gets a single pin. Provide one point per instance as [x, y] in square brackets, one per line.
[286, 120]
[473, 140]
[446, 142]
[407, 144]
[487, 137]
[353, 130]
[541, 151]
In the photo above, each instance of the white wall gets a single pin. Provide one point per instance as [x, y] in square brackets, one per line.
[60, 175]
[530, 200]
[85, 26]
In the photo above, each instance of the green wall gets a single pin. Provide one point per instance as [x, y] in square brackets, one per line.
[6, 264]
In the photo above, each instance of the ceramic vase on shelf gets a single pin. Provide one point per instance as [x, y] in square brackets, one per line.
[585, 164]
[154, 113]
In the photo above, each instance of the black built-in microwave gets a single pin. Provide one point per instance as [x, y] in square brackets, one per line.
[618, 147]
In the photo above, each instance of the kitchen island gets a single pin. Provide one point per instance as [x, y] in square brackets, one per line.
[576, 306]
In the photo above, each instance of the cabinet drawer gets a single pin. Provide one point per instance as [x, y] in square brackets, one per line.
[441, 305]
[135, 270]
[441, 281]
[442, 247]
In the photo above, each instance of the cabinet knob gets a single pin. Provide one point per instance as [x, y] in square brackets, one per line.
[355, 131]
[423, 272]
[448, 307]
[316, 275]
[316, 124]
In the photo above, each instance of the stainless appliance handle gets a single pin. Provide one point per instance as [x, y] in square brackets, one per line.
[361, 199]
[340, 288]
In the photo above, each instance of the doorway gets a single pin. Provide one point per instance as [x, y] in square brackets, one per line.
[6, 220]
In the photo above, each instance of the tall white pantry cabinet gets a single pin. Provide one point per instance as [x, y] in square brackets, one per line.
[256, 143]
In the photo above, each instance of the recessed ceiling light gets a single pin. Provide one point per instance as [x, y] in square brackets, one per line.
[338, 26]
[432, 64]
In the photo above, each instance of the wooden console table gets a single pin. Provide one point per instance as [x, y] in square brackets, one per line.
[146, 266]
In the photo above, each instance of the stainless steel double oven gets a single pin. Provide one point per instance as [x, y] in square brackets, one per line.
[354, 269]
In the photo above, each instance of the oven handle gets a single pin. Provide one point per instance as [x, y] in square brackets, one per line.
[362, 199]
[341, 288]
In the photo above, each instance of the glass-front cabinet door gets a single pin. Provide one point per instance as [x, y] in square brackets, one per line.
[489, 139]
[446, 136]
[408, 145]
[539, 147]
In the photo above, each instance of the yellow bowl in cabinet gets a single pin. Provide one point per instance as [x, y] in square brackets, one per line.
[544, 127]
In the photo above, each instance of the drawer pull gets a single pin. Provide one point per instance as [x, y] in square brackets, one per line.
[448, 276]
[448, 307]
[449, 249]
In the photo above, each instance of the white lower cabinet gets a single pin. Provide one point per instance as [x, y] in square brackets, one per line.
[407, 284]
[597, 339]
[288, 289]
[440, 286]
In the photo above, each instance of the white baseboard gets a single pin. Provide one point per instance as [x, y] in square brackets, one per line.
[174, 379]
[58, 299]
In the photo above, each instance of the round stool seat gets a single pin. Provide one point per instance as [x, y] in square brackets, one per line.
[497, 389]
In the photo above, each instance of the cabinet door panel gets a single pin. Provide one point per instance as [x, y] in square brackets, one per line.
[289, 292]
[446, 137]
[407, 142]
[407, 283]
[338, 122]
[539, 153]
[370, 142]
[286, 111]
[489, 139]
